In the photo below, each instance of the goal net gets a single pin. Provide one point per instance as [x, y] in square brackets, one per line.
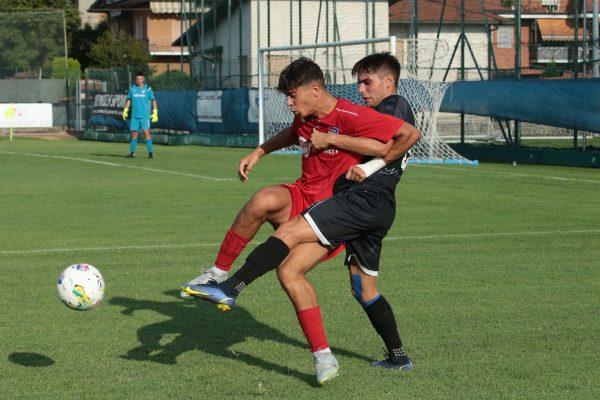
[336, 59]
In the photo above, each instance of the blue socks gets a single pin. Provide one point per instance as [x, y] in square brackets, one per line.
[149, 145]
[132, 145]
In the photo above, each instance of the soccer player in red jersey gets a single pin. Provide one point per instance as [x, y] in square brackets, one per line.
[359, 130]
[303, 258]
[359, 215]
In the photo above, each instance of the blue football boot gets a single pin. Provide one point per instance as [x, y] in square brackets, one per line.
[208, 277]
[212, 293]
[402, 363]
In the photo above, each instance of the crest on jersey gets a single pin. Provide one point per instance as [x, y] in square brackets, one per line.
[334, 130]
[305, 145]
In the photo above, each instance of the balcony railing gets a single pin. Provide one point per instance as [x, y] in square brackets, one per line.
[556, 54]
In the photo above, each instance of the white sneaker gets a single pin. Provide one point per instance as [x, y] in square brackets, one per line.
[207, 277]
[326, 365]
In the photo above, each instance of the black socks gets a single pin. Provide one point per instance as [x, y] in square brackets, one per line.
[382, 318]
[266, 257]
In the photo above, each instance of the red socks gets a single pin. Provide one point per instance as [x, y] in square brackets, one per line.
[312, 325]
[231, 247]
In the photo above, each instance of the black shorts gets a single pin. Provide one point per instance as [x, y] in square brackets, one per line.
[359, 218]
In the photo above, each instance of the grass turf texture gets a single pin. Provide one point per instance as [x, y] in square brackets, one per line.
[492, 272]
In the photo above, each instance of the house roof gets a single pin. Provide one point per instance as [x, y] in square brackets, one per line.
[108, 5]
[207, 19]
[431, 10]
[558, 30]
[157, 7]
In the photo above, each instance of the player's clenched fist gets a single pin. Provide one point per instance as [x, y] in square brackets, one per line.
[356, 174]
[319, 140]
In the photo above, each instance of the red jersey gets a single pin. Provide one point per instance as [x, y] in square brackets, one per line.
[321, 169]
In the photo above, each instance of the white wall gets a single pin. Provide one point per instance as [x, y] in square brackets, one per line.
[440, 56]
[230, 53]
[351, 25]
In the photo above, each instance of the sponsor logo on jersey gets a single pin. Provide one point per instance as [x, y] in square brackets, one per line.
[390, 171]
[334, 129]
[305, 145]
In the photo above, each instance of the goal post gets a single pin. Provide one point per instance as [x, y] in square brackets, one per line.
[336, 59]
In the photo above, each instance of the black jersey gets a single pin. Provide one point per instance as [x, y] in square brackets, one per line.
[385, 180]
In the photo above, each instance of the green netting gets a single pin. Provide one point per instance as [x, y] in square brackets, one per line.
[200, 139]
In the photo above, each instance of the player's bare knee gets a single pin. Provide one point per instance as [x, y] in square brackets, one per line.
[257, 207]
[286, 276]
[286, 233]
[264, 203]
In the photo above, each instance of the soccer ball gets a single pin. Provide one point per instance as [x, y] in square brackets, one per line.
[81, 287]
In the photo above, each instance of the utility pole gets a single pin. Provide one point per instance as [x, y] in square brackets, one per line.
[595, 43]
[462, 64]
[584, 34]
[517, 61]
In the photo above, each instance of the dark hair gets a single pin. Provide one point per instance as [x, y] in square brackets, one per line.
[300, 72]
[377, 62]
[140, 73]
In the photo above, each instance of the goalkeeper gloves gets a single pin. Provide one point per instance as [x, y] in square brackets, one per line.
[125, 113]
[154, 118]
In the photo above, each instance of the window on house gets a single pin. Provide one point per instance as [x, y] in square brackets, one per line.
[138, 27]
[504, 37]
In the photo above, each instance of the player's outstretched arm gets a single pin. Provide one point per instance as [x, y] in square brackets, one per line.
[406, 137]
[364, 146]
[283, 139]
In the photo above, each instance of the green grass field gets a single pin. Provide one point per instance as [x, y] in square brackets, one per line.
[493, 272]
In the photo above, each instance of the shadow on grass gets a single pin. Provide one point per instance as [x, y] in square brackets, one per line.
[30, 359]
[124, 155]
[200, 326]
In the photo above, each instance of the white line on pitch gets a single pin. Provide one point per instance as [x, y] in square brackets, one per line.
[109, 248]
[492, 234]
[192, 245]
[110, 164]
[516, 174]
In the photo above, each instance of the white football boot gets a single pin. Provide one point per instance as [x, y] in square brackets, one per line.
[326, 365]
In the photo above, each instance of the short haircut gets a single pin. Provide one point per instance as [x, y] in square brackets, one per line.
[139, 73]
[299, 73]
[378, 62]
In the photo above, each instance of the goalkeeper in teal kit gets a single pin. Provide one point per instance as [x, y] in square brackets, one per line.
[139, 98]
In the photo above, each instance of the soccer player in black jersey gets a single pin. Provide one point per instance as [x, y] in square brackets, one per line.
[359, 214]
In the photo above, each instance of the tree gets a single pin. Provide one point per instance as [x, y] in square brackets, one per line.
[71, 70]
[83, 40]
[173, 80]
[32, 33]
[118, 51]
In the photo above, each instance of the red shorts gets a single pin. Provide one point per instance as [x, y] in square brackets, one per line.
[299, 204]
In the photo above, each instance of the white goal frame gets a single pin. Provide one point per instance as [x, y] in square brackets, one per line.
[261, 68]
[424, 95]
